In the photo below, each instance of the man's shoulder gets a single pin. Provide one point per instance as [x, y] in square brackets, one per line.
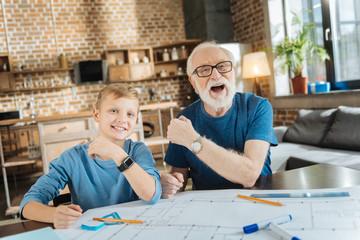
[249, 99]
[246, 97]
[189, 110]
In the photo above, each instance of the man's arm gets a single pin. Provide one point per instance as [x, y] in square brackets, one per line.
[174, 181]
[243, 168]
[236, 167]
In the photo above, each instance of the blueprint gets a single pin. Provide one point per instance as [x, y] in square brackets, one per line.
[220, 214]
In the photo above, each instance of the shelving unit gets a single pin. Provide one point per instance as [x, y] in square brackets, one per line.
[131, 64]
[158, 140]
[39, 70]
[128, 64]
[15, 160]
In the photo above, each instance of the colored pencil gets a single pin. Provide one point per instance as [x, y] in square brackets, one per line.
[118, 220]
[259, 200]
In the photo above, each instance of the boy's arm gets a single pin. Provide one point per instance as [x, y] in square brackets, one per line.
[143, 184]
[61, 216]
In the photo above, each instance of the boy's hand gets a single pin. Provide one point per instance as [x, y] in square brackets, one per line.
[171, 183]
[105, 149]
[65, 215]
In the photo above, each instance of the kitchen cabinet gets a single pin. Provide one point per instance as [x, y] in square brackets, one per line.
[59, 135]
[134, 64]
[131, 64]
[54, 134]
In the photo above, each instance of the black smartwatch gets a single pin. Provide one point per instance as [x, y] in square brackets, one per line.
[126, 164]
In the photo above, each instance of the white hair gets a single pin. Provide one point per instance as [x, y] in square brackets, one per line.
[190, 69]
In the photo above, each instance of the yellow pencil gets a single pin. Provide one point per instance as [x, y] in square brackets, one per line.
[259, 200]
[118, 220]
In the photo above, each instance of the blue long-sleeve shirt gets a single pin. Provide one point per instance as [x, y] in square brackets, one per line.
[92, 182]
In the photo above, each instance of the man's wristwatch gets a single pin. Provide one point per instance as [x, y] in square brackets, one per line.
[126, 164]
[197, 145]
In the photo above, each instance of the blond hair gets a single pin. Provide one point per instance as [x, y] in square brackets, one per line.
[189, 67]
[118, 90]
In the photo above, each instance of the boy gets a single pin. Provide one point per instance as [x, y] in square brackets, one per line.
[108, 170]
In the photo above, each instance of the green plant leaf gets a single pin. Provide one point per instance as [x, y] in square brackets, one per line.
[292, 52]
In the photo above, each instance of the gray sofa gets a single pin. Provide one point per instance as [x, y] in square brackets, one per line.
[319, 136]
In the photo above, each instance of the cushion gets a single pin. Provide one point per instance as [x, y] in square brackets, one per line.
[310, 126]
[345, 131]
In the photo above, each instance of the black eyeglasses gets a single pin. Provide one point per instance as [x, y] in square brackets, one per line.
[206, 70]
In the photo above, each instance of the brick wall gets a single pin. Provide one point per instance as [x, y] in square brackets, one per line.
[83, 30]
[248, 24]
[249, 27]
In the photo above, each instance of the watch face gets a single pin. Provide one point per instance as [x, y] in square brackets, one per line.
[128, 162]
[196, 147]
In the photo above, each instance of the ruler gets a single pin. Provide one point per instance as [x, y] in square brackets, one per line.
[301, 195]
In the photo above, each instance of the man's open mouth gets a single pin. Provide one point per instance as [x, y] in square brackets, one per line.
[217, 88]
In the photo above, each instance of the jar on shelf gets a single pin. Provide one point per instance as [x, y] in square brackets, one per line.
[163, 73]
[166, 56]
[174, 54]
[119, 61]
[145, 59]
[180, 71]
[136, 60]
[183, 52]
[63, 61]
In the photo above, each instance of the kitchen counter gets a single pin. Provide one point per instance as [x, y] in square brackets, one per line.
[154, 106]
[46, 118]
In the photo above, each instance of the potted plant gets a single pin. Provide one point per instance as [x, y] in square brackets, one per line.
[292, 53]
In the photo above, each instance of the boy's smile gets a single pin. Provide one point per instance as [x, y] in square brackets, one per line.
[117, 118]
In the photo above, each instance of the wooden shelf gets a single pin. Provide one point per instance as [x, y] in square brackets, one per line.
[37, 89]
[13, 210]
[43, 88]
[19, 161]
[170, 61]
[155, 106]
[172, 76]
[155, 141]
[180, 43]
[42, 70]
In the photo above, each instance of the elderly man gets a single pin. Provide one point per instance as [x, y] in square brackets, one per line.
[224, 137]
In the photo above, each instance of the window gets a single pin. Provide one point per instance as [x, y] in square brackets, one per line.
[337, 28]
